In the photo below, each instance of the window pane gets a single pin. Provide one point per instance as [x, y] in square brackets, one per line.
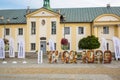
[107, 46]
[33, 27]
[20, 31]
[53, 28]
[33, 46]
[7, 31]
[66, 30]
[106, 30]
[55, 45]
[80, 30]
[68, 45]
[17, 46]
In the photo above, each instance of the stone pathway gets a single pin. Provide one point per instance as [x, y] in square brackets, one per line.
[54, 77]
[34, 71]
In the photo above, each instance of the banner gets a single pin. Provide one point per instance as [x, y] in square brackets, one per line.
[21, 51]
[2, 50]
[11, 48]
[40, 57]
[116, 42]
[104, 44]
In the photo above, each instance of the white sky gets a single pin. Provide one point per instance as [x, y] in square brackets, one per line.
[11, 4]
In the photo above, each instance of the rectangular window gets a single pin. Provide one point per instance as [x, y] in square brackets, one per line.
[67, 30]
[33, 46]
[107, 46]
[53, 29]
[55, 45]
[33, 28]
[7, 31]
[80, 30]
[106, 30]
[17, 46]
[68, 45]
[20, 31]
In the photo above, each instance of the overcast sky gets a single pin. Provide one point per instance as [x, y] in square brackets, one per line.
[22, 4]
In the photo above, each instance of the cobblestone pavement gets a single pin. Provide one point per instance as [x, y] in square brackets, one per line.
[34, 71]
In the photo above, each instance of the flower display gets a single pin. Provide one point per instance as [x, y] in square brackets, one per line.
[6, 41]
[64, 41]
[64, 44]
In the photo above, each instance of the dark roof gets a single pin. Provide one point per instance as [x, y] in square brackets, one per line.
[15, 15]
[87, 14]
[72, 14]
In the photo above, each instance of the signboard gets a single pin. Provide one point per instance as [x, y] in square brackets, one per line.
[40, 57]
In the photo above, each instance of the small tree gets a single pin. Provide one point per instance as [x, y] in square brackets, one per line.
[90, 42]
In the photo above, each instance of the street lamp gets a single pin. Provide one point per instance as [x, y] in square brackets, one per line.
[5, 21]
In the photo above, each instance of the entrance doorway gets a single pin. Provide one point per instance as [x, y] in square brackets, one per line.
[43, 46]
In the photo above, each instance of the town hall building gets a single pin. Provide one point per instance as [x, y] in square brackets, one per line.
[38, 26]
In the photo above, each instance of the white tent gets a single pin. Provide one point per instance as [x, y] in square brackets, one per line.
[51, 45]
[2, 50]
[116, 42]
[104, 44]
[21, 51]
[11, 48]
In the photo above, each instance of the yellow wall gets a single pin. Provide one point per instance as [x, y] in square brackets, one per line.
[49, 16]
[1, 31]
[42, 30]
[13, 32]
[116, 31]
[74, 31]
[119, 30]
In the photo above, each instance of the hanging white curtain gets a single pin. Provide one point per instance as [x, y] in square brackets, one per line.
[21, 51]
[116, 42]
[51, 45]
[104, 44]
[11, 48]
[2, 50]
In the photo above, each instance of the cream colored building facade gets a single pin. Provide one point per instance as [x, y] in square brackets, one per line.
[43, 24]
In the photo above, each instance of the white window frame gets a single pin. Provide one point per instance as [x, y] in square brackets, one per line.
[33, 48]
[6, 31]
[19, 33]
[52, 29]
[106, 30]
[67, 31]
[33, 28]
[80, 32]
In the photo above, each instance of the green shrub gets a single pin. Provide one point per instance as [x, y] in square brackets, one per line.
[90, 42]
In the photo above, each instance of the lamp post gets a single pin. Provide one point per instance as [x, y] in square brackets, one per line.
[64, 19]
[5, 21]
[64, 42]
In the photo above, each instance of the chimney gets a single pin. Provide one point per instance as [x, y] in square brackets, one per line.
[108, 5]
[58, 11]
[28, 10]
